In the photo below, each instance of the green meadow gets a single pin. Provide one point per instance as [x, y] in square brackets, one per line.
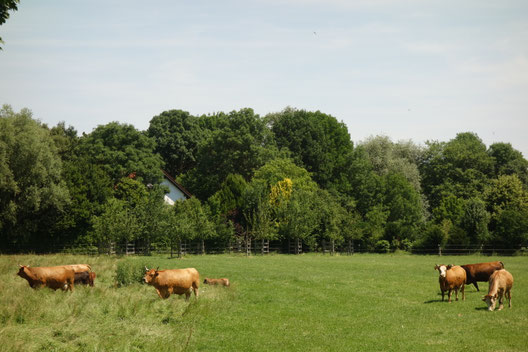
[311, 302]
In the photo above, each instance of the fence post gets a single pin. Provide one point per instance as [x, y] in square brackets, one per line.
[439, 250]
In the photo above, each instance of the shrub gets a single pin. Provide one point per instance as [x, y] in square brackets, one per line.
[129, 272]
[382, 246]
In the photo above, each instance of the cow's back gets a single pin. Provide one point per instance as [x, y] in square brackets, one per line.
[503, 278]
[482, 271]
[456, 275]
[183, 278]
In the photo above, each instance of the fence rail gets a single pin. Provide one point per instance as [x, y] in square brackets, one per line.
[259, 247]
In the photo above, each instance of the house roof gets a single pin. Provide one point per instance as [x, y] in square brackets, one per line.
[176, 184]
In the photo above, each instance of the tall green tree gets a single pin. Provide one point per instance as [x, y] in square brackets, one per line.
[122, 150]
[508, 161]
[178, 135]
[32, 193]
[317, 141]
[240, 144]
[461, 167]
[404, 205]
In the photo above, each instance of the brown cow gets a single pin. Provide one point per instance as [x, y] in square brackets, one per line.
[222, 282]
[54, 277]
[452, 277]
[177, 281]
[480, 272]
[79, 268]
[500, 285]
[85, 278]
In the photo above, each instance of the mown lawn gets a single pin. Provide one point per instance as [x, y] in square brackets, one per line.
[364, 302]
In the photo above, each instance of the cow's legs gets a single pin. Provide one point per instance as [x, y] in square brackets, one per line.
[476, 285]
[463, 293]
[501, 299]
[449, 296]
[163, 293]
[509, 298]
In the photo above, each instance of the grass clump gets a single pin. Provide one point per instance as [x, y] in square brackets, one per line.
[129, 272]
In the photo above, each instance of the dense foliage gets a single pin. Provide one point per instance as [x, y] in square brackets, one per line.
[289, 176]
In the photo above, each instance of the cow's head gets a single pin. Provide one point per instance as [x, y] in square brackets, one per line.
[442, 269]
[150, 275]
[491, 301]
[21, 271]
[206, 280]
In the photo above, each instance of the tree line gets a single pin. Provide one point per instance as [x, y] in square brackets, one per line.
[291, 175]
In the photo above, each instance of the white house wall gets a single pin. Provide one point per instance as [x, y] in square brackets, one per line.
[174, 193]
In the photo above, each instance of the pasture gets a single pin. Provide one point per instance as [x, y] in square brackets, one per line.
[311, 302]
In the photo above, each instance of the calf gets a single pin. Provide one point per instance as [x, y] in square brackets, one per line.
[500, 285]
[222, 282]
[452, 277]
[54, 277]
[85, 278]
[480, 272]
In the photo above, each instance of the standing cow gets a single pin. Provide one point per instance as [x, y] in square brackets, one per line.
[500, 285]
[176, 281]
[452, 277]
[54, 277]
[480, 272]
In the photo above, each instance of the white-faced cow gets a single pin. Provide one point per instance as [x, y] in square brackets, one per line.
[173, 281]
[452, 277]
[500, 285]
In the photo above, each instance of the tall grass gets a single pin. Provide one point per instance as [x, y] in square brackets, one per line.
[363, 302]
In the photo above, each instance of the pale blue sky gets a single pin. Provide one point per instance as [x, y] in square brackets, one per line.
[415, 69]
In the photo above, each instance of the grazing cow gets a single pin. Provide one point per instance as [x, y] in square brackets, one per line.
[54, 277]
[85, 278]
[176, 281]
[222, 282]
[500, 285]
[480, 272]
[452, 277]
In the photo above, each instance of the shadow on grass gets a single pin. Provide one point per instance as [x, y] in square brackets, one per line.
[481, 308]
[433, 301]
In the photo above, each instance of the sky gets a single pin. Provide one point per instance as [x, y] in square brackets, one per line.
[407, 69]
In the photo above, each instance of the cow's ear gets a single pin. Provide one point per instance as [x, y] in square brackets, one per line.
[436, 266]
[146, 269]
[450, 266]
[157, 268]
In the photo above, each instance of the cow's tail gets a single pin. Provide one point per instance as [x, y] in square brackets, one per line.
[502, 264]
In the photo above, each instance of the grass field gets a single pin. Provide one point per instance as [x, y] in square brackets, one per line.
[364, 302]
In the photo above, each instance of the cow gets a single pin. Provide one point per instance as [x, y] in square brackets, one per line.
[85, 278]
[452, 277]
[78, 268]
[480, 272]
[222, 282]
[176, 281]
[500, 285]
[54, 277]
